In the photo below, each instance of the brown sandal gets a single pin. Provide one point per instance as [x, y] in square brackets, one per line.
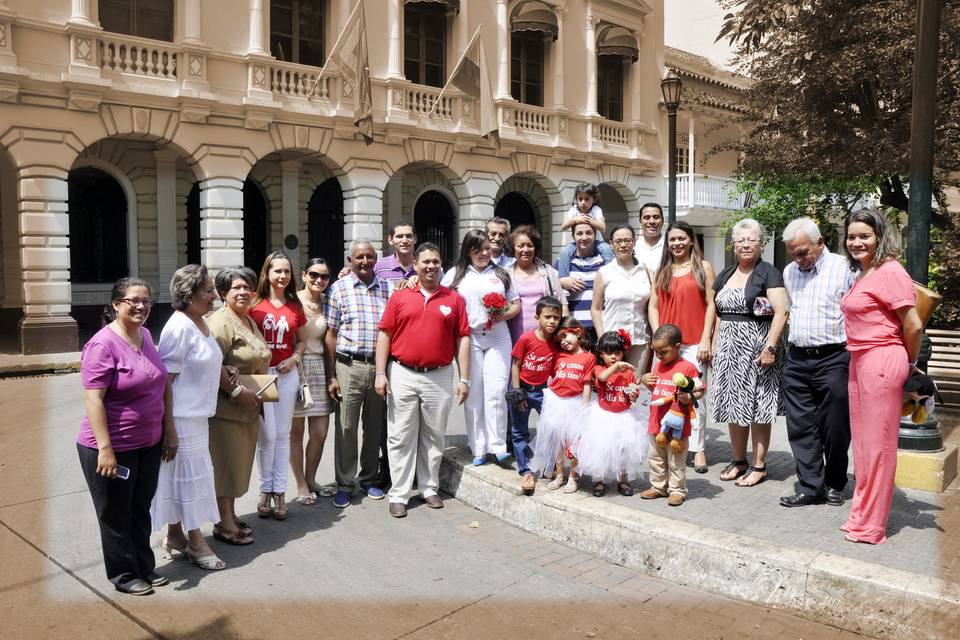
[751, 470]
[739, 465]
[280, 510]
[264, 509]
[235, 538]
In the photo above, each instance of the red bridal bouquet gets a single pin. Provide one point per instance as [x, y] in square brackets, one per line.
[495, 304]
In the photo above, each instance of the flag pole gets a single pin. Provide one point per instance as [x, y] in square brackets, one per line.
[336, 46]
[453, 74]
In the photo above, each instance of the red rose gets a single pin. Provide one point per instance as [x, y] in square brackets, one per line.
[495, 304]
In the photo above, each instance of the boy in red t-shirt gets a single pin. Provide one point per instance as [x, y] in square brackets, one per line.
[533, 356]
[668, 471]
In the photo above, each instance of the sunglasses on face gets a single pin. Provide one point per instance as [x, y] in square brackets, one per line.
[313, 275]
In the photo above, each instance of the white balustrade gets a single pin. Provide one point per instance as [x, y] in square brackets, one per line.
[611, 132]
[139, 56]
[533, 119]
[300, 81]
[708, 191]
[420, 100]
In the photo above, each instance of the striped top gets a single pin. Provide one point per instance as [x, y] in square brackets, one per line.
[815, 316]
[584, 269]
[352, 310]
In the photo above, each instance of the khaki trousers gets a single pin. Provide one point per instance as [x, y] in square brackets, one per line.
[359, 399]
[668, 468]
[417, 410]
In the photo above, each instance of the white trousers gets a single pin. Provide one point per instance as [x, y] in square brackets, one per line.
[417, 410]
[273, 440]
[698, 428]
[639, 357]
[485, 409]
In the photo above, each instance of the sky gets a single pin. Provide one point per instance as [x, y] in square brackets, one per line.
[692, 25]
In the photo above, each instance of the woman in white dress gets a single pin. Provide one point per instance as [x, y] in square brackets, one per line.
[186, 497]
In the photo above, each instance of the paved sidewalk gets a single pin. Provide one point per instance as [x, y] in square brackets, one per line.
[323, 573]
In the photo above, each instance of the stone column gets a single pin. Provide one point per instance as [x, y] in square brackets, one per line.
[591, 42]
[394, 25]
[363, 207]
[80, 13]
[192, 25]
[558, 66]
[636, 87]
[478, 207]
[168, 255]
[46, 326]
[503, 51]
[691, 148]
[221, 222]
[290, 209]
[256, 28]
[466, 31]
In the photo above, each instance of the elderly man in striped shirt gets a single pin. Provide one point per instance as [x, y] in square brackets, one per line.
[815, 376]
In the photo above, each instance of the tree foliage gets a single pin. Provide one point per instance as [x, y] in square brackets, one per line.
[832, 88]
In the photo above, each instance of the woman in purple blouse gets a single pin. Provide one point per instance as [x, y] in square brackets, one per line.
[128, 413]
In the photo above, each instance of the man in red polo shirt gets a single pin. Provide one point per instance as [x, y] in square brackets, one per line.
[422, 329]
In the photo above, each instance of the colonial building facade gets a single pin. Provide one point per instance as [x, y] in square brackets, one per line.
[139, 135]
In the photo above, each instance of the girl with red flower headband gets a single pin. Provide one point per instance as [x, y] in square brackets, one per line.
[613, 445]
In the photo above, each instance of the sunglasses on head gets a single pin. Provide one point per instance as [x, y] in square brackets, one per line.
[313, 275]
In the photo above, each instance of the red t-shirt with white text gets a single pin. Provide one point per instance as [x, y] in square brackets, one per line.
[664, 387]
[611, 392]
[279, 327]
[535, 356]
[570, 372]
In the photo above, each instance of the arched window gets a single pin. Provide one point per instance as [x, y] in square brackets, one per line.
[255, 229]
[325, 224]
[144, 18]
[610, 87]
[434, 220]
[515, 207]
[296, 31]
[97, 209]
[425, 43]
[193, 225]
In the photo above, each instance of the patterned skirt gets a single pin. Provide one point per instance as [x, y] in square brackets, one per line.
[316, 379]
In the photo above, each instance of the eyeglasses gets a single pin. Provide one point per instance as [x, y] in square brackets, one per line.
[136, 302]
[620, 241]
[746, 241]
[313, 275]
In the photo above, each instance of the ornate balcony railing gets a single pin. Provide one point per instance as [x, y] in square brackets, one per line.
[139, 56]
[611, 132]
[706, 191]
[420, 100]
[532, 119]
[300, 81]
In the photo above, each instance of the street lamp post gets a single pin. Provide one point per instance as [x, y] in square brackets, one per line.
[670, 86]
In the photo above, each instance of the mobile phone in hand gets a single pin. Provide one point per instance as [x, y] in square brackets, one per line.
[123, 472]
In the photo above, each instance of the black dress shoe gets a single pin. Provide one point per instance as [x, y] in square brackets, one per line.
[398, 510]
[800, 500]
[835, 497]
[135, 587]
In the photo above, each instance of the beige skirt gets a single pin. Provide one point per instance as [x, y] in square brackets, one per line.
[316, 377]
[233, 446]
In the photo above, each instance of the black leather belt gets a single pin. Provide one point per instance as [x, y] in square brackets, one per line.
[823, 350]
[526, 386]
[419, 369]
[348, 358]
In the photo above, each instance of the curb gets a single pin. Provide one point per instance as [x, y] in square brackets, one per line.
[15, 365]
[850, 594]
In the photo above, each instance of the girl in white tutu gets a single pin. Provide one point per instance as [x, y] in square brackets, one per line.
[565, 401]
[612, 444]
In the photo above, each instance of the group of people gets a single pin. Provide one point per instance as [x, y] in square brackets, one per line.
[611, 345]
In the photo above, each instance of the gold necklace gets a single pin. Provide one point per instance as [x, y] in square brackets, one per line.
[681, 267]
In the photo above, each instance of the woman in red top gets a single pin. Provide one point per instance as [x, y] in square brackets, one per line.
[683, 296]
[613, 444]
[279, 316]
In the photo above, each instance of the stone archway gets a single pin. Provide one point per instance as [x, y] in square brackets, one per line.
[519, 196]
[325, 238]
[435, 221]
[11, 299]
[256, 220]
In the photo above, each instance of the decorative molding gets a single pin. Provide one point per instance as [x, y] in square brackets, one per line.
[194, 113]
[83, 101]
[418, 150]
[257, 120]
[524, 162]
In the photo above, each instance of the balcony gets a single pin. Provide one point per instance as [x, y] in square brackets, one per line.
[138, 56]
[707, 192]
[300, 81]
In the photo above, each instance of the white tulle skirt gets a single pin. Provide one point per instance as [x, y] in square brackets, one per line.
[560, 425]
[613, 443]
[185, 490]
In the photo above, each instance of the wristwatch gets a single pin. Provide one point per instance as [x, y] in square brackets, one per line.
[772, 350]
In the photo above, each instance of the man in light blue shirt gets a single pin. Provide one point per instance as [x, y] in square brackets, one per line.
[815, 375]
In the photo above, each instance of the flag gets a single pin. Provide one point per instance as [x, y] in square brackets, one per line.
[349, 55]
[470, 76]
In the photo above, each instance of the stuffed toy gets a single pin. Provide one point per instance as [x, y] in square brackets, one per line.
[671, 425]
[919, 391]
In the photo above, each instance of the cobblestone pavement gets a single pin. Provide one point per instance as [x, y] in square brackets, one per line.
[329, 573]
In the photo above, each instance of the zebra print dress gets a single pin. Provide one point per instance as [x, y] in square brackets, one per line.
[743, 392]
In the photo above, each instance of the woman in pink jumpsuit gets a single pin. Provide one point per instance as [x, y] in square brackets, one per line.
[883, 337]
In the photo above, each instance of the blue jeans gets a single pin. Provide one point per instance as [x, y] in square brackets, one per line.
[567, 253]
[520, 426]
